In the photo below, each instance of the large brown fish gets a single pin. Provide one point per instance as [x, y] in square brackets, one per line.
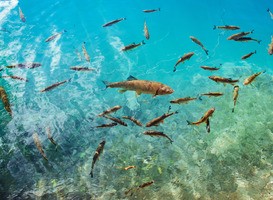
[109, 111]
[22, 15]
[210, 68]
[204, 118]
[195, 40]
[132, 46]
[107, 125]
[239, 35]
[96, 156]
[183, 59]
[226, 27]
[251, 78]
[247, 55]
[212, 94]
[270, 49]
[25, 65]
[113, 22]
[54, 36]
[141, 86]
[133, 120]
[183, 100]
[157, 134]
[246, 39]
[79, 68]
[5, 100]
[48, 132]
[156, 121]
[87, 58]
[145, 185]
[146, 32]
[38, 145]
[116, 120]
[150, 11]
[53, 86]
[235, 95]
[16, 77]
[219, 79]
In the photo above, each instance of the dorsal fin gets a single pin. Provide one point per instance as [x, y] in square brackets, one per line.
[130, 78]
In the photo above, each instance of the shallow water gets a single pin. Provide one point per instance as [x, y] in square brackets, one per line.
[233, 161]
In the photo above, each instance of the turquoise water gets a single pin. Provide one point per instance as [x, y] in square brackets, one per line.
[233, 161]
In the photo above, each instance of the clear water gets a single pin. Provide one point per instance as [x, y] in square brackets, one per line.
[233, 161]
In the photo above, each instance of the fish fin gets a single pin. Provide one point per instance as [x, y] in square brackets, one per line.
[138, 94]
[107, 84]
[189, 123]
[186, 103]
[211, 71]
[91, 174]
[174, 69]
[122, 91]
[156, 93]
[157, 136]
[143, 42]
[98, 159]
[162, 122]
[225, 85]
[206, 51]
[211, 116]
[130, 78]
[232, 109]
[209, 96]
[206, 122]
[214, 27]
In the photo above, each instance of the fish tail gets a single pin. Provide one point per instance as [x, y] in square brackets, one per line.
[158, 9]
[233, 110]
[259, 41]
[220, 65]
[199, 97]
[207, 51]
[252, 31]
[176, 112]
[124, 18]
[143, 42]
[107, 84]
[255, 51]
[189, 123]
[174, 69]
[264, 71]
[268, 10]
[65, 31]
[214, 27]
[91, 174]
[69, 80]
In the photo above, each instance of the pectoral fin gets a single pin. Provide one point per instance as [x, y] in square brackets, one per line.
[225, 85]
[138, 94]
[162, 121]
[122, 91]
[156, 93]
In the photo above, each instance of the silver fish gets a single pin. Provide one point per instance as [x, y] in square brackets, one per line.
[53, 86]
[54, 36]
[87, 58]
[22, 15]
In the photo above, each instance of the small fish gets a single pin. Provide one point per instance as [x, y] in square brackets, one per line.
[235, 95]
[133, 120]
[226, 27]
[113, 22]
[146, 32]
[25, 65]
[53, 86]
[109, 111]
[87, 58]
[247, 55]
[98, 152]
[141, 86]
[116, 120]
[107, 125]
[270, 13]
[130, 167]
[4, 30]
[48, 132]
[22, 15]
[156, 121]
[211, 68]
[157, 134]
[239, 35]
[39, 146]
[195, 40]
[219, 79]
[270, 49]
[246, 39]
[208, 126]
[150, 11]
[212, 94]
[85, 69]
[5, 100]
[183, 59]
[16, 77]
[251, 78]
[128, 191]
[145, 185]
[132, 46]
[204, 118]
[183, 100]
[54, 36]
[78, 53]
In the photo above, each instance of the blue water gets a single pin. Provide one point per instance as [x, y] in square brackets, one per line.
[233, 161]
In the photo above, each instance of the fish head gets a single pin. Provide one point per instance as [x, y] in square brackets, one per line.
[165, 90]
[212, 109]
[212, 77]
[270, 51]
[103, 142]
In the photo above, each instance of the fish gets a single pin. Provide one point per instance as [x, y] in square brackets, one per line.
[141, 86]
[132, 46]
[235, 95]
[79, 68]
[16, 77]
[39, 146]
[107, 125]
[48, 132]
[211, 68]
[22, 17]
[226, 27]
[133, 120]
[116, 120]
[150, 11]
[239, 35]
[146, 32]
[109, 111]
[248, 55]
[25, 65]
[54, 36]
[87, 58]
[246, 39]
[53, 86]
[212, 94]
[156, 121]
[204, 118]
[4, 30]
[208, 126]
[5, 100]
[270, 13]
[98, 152]
[251, 78]
[130, 167]
[219, 79]
[78, 53]
[113, 22]
[195, 40]
[157, 134]
[183, 100]
[145, 185]
[270, 49]
[183, 59]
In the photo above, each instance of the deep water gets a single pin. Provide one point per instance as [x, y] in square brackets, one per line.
[233, 161]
